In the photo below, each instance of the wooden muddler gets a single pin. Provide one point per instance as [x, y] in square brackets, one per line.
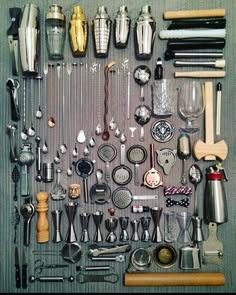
[174, 279]
[42, 220]
[209, 150]
[200, 13]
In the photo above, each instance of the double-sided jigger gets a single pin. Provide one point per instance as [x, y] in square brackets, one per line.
[135, 226]
[71, 209]
[156, 213]
[84, 220]
[145, 221]
[124, 222]
[111, 225]
[97, 217]
[56, 219]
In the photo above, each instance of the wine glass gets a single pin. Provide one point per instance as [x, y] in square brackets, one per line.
[190, 104]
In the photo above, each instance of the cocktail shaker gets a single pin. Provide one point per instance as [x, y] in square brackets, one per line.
[78, 32]
[101, 31]
[55, 24]
[144, 33]
[121, 27]
[29, 39]
[215, 205]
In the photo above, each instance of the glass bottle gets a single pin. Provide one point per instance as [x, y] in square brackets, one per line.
[55, 24]
[58, 192]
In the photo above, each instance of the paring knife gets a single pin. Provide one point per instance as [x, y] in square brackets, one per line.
[13, 38]
[17, 266]
[24, 270]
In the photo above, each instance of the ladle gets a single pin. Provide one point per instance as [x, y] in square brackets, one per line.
[142, 114]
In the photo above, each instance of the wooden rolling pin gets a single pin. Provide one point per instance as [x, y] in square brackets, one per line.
[200, 74]
[174, 279]
[200, 13]
[42, 220]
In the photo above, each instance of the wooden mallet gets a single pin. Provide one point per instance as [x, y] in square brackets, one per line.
[209, 150]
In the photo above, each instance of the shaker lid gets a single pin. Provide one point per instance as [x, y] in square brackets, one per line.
[55, 12]
[217, 175]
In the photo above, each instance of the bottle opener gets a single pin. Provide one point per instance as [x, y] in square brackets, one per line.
[166, 158]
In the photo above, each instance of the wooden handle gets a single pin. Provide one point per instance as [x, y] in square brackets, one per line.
[42, 221]
[216, 12]
[174, 279]
[200, 74]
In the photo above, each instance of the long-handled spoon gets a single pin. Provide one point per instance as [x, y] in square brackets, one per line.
[63, 147]
[81, 135]
[24, 132]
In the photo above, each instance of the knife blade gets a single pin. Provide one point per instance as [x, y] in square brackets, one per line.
[24, 270]
[17, 266]
[13, 38]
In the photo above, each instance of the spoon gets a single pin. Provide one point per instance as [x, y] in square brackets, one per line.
[142, 116]
[195, 177]
[31, 130]
[24, 133]
[98, 130]
[75, 151]
[57, 159]
[45, 147]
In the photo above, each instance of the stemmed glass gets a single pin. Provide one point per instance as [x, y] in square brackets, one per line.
[191, 104]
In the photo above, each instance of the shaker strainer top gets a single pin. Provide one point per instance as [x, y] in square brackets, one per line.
[122, 197]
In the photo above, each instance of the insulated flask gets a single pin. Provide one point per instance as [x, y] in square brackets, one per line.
[101, 31]
[29, 40]
[215, 206]
[144, 34]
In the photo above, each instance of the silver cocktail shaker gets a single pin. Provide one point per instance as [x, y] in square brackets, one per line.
[29, 39]
[144, 34]
[101, 31]
[215, 206]
[121, 27]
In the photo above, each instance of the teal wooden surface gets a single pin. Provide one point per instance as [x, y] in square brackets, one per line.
[226, 232]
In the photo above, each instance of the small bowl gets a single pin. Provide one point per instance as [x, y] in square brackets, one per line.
[165, 255]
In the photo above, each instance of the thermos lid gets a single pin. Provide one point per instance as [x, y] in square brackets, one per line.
[215, 175]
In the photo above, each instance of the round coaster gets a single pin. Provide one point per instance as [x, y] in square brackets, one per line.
[162, 130]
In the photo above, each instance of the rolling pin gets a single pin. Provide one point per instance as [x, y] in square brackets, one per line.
[42, 220]
[174, 279]
[181, 34]
[200, 13]
[200, 74]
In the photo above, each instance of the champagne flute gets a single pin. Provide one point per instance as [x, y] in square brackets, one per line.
[190, 104]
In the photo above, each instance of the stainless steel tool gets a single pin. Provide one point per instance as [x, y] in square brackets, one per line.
[51, 279]
[118, 258]
[13, 86]
[13, 38]
[11, 132]
[27, 211]
[95, 250]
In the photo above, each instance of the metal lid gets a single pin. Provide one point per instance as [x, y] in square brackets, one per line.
[55, 12]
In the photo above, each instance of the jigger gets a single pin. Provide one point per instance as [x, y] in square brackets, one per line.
[84, 220]
[97, 218]
[56, 219]
[135, 226]
[111, 225]
[145, 221]
[124, 222]
[184, 220]
[156, 213]
[71, 209]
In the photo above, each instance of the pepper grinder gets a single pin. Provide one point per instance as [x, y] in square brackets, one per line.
[71, 209]
[42, 220]
[124, 222]
[84, 220]
[56, 218]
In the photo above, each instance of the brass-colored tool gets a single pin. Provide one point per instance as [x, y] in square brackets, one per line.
[78, 32]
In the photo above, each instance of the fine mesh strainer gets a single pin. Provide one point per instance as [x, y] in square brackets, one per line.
[122, 197]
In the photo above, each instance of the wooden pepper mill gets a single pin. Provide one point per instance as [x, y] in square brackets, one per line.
[42, 220]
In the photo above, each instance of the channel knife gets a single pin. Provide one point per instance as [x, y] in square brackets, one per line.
[17, 267]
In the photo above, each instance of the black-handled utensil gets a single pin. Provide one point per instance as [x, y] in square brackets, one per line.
[17, 268]
[24, 270]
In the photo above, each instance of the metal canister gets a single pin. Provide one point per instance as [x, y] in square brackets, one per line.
[28, 39]
[78, 32]
[122, 27]
[48, 172]
[101, 30]
[144, 33]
